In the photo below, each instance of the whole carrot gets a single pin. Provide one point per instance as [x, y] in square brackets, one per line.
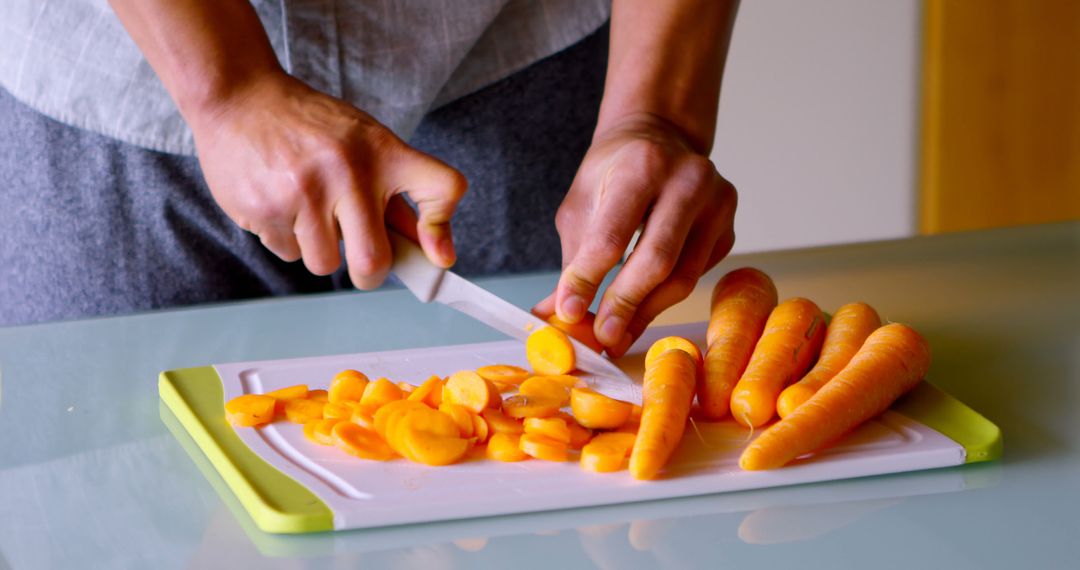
[891, 361]
[741, 302]
[847, 331]
[790, 342]
[667, 393]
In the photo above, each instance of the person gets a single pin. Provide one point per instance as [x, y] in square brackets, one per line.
[299, 113]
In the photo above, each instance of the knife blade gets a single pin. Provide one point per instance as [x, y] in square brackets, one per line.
[429, 282]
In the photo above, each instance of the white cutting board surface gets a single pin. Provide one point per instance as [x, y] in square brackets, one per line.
[365, 494]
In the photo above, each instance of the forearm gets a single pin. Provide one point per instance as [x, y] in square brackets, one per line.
[204, 51]
[666, 61]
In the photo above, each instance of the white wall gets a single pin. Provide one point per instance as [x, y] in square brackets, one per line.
[818, 121]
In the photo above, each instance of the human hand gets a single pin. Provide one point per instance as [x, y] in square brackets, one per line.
[642, 170]
[303, 170]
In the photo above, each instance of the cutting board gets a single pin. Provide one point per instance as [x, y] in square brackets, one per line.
[290, 485]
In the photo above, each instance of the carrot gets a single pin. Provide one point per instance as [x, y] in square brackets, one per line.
[554, 428]
[543, 447]
[318, 395]
[289, 392]
[741, 302]
[531, 406]
[606, 452]
[363, 443]
[597, 411]
[322, 432]
[846, 332]
[601, 457]
[503, 373]
[250, 410]
[545, 387]
[892, 361]
[549, 351]
[472, 391]
[461, 416]
[579, 434]
[481, 429]
[337, 410]
[505, 447]
[501, 423]
[667, 392]
[581, 330]
[381, 391]
[430, 437]
[790, 342]
[301, 411]
[347, 385]
[426, 391]
[672, 343]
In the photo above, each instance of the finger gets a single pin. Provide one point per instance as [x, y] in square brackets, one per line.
[436, 188]
[603, 242]
[675, 288]
[546, 307]
[401, 217]
[657, 252]
[367, 248]
[318, 240]
[282, 243]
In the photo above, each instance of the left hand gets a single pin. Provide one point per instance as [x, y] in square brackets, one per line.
[641, 170]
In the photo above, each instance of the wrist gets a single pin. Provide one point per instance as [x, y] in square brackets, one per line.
[212, 95]
[646, 125]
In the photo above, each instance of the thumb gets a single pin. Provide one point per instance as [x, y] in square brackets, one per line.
[435, 188]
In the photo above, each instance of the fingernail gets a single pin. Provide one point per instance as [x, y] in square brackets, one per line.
[611, 330]
[573, 309]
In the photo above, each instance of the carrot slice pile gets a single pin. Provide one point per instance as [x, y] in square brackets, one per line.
[250, 410]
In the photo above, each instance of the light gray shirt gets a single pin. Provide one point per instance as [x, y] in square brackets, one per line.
[395, 59]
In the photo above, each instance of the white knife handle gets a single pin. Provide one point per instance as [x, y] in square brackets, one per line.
[412, 267]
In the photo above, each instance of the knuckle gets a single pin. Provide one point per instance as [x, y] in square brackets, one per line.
[646, 155]
[607, 246]
[623, 302]
[681, 286]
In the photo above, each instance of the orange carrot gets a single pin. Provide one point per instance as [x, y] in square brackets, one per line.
[530, 406]
[741, 302]
[543, 447]
[846, 332]
[672, 343]
[892, 361]
[545, 387]
[380, 392]
[250, 410]
[503, 373]
[667, 392]
[549, 351]
[554, 428]
[347, 385]
[472, 391]
[597, 411]
[505, 447]
[791, 341]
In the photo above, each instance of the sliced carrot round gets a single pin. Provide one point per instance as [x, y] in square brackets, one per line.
[363, 443]
[289, 392]
[601, 457]
[323, 431]
[622, 440]
[597, 411]
[347, 385]
[481, 430]
[579, 434]
[380, 392]
[545, 387]
[503, 373]
[423, 392]
[530, 407]
[302, 411]
[461, 416]
[250, 410]
[471, 390]
[542, 447]
[318, 395]
[501, 423]
[549, 351]
[505, 447]
[337, 410]
[554, 428]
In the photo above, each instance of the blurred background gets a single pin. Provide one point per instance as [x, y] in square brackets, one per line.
[855, 120]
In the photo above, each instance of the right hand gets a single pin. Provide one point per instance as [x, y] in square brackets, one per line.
[303, 170]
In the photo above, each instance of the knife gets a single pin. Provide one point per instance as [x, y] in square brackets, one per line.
[430, 282]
